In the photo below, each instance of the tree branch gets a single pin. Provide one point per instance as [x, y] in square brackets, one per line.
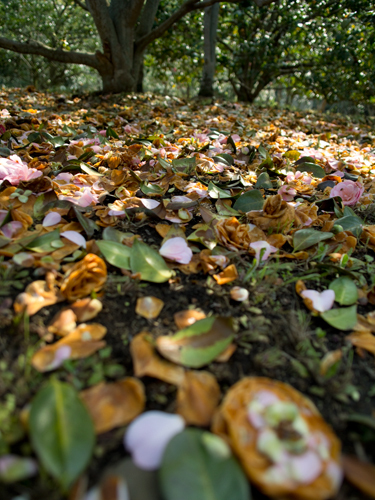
[82, 5]
[59, 55]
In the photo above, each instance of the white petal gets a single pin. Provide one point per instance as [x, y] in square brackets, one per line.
[75, 237]
[321, 301]
[176, 249]
[150, 204]
[148, 435]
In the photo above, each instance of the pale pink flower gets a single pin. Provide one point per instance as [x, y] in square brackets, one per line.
[258, 246]
[11, 229]
[349, 191]
[287, 192]
[14, 170]
[150, 204]
[321, 301]
[149, 434]
[83, 198]
[176, 249]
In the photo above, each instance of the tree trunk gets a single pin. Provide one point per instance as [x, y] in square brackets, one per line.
[211, 19]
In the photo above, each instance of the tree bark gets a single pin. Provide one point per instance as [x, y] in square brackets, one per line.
[211, 19]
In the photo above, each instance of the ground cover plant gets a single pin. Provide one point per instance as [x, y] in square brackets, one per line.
[187, 300]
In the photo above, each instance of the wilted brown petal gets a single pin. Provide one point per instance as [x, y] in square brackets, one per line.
[198, 397]
[36, 296]
[147, 362]
[116, 404]
[361, 474]
[227, 276]
[88, 275]
[149, 307]
[183, 319]
[86, 309]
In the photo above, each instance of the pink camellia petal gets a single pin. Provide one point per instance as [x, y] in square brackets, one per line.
[287, 192]
[148, 435]
[51, 219]
[258, 247]
[176, 249]
[322, 301]
[11, 229]
[14, 468]
[14, 170]
[61, 355]
[305, 468]
[75, 237]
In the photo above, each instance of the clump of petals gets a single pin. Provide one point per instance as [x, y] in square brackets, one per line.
[176, 249]
[148, 435]
[14, 170]
[321, 301]
[349, 191]
[258, 246]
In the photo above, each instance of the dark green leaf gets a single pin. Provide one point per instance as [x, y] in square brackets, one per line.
[198, 465]
[346, 292]
[263, 181]
[61, 431]
[149, 263]
[311, 168]
[88, 225]
[43, 243]
[344, 318]
[351, 223]
[215, 192]
[305, 238]
[115, 253]
[251, 200]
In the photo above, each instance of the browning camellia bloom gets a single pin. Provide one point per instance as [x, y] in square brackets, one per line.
[86, 276]
[282, 441]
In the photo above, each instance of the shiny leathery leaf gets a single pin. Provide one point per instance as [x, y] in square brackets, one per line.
[351, 223]
[311, 168]
[88, 225]
[251, 200]
[147, 261]
[346, 292]
[61, 431]
[115, 253]
[344, 318]
[43, 243]
[306, 238]
[199, 344]
[216, 192]
[198, 465]
[263, 181]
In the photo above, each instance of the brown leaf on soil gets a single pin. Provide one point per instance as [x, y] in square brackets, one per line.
[37, 295]
[183, 319]
[198, 397]
[360, 474]
[86, 276]
[147, 362]
[114, 405]
[232, 423]
[227, 276]
[149, 307]
[364, 340]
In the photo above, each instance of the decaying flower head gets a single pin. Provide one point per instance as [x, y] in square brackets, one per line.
[283, 443]
[86, 276]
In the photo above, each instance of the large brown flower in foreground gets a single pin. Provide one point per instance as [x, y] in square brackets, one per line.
[86, 276]
[236, 236]
[283, 443]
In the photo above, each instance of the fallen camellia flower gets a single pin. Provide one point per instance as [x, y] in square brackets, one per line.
[14, 170]
[283, 443]
[148, 435]
[84, 277]
[321, 301]
[176, 249]
[349, 191]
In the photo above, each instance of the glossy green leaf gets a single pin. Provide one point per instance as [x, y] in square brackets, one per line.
[115, 253]
[184, 164]
[305, 238]
[111, 133]
[346, 292]
[61, 431]
[88, 225]
[251, 200]
[226, 157]
[351, 223]
[43, 243]
[311, 168]
[216, 192]
[344, 318]
[199, 344]
[263, 181]
[89, 170]
[225, 210]
[198, 465]
[149, 263]
[5, 152]
[151, 189]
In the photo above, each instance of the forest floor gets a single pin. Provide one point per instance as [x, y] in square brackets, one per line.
[272, 202]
